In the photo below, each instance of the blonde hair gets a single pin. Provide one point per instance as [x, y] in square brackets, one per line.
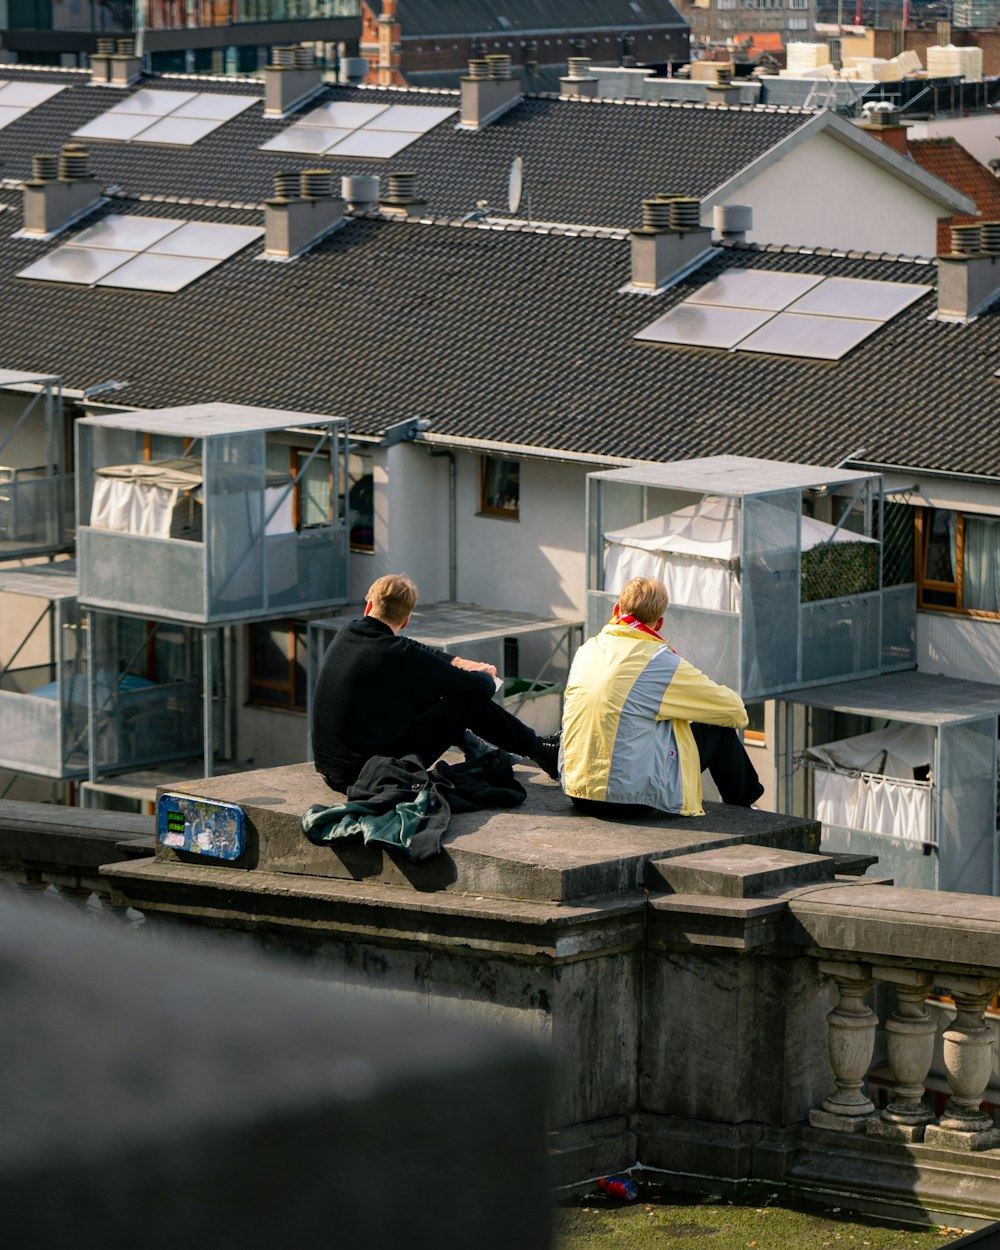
[392, 597]
[644, 598]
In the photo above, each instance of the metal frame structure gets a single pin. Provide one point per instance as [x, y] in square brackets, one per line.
[961, 851]
[35, 499]
[235, 571]
[774, 642]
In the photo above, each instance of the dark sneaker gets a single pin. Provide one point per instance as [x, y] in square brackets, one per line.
[546, 755]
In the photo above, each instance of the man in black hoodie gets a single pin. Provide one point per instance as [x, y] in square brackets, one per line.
[379, 693]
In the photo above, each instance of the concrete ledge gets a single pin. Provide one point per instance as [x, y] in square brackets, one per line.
[917, 928]
[543, 850]
[741, 871]
[370, 911]
[913, 1180]
[44, 843]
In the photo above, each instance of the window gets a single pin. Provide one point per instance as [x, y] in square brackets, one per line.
[500, 487]
[754, 731]
[361, 501]
[278, 664]
[312, 497]
[958, 562]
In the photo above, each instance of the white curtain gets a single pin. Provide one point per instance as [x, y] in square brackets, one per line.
[981, 564]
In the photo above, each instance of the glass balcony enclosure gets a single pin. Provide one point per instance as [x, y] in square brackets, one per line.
[144, 701]
[774, 570]
[902, 766]
[43, 685]
[211, 513]
[35, 491]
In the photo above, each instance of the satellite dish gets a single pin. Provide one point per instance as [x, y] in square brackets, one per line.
[515, 183]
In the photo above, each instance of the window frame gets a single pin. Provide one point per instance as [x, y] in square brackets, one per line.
[296, 629]
[922, 521]
[491, 510]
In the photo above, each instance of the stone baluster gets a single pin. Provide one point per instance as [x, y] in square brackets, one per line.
[968, 1062]
[851, 1040]
[910, 1033]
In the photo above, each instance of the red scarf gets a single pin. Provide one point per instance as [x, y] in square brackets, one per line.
[633, 622]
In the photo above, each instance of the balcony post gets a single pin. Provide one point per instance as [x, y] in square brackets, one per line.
[910, 1033]
[968, 1061]
[851, 1041]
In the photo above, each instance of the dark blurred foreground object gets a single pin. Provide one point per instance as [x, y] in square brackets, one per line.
[156, 1098]
[987, 1238]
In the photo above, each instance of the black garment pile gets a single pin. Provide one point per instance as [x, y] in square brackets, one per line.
[400, 803]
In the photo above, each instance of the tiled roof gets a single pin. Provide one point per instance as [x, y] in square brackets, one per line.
[479, 17]
[948, 160]
[585, 161]
[513, 337]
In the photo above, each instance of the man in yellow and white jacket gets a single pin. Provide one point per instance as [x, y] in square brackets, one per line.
[640, 723]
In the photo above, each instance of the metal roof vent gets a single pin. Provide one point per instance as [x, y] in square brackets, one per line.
[290, 79]
[60, 190]
[880, 113]
[302, 211]
[44, 168]
[669, 242]
[401, 195]
[352, 69]
[499, 66]
[361, 191]
[732, 221]
[969, 277]
[487, 95]
[578, 80]
[989, 238]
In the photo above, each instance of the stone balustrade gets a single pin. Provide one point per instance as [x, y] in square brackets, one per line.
[712, 990]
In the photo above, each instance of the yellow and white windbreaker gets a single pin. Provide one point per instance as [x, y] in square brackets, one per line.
[626, 734]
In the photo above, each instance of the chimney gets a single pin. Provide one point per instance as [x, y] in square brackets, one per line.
[290, 79]
[969, 277]
[360, 191]
[732, 221]
[60, 190]
[882, 121]
[100, 61]
[669, 240]
[488, 90]
[124, 67]
[578, 80]
[302, 211]
[400, 197]
[388, 71]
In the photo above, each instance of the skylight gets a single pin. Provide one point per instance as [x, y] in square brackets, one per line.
[785, 314]
[18, 98]
[142, 253]
[346, 128]
[173, 118]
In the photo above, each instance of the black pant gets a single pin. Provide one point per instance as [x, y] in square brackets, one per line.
[442, 724]
[728, 764]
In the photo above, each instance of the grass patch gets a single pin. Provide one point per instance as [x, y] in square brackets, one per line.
[663, 1218]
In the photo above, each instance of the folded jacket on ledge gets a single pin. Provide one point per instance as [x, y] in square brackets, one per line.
[400, 803]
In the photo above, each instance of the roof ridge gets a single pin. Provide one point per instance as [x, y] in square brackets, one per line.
[372, 86]
[800, 249]
[42, 69]
[676, 104]
[564, 229]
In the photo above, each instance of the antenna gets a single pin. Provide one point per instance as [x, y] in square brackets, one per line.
[515, 184]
